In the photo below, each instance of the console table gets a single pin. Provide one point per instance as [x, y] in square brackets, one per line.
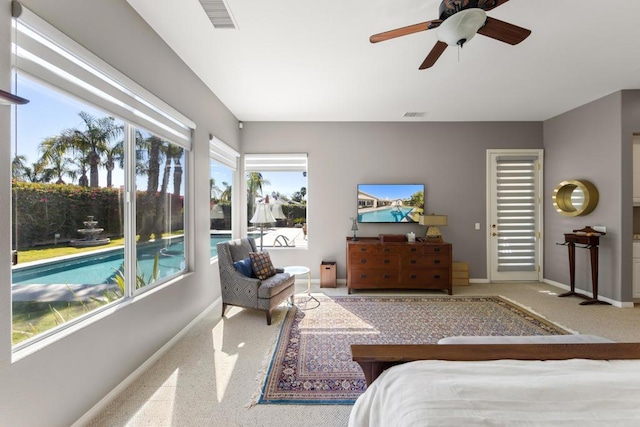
[372, 264]
[591, 242]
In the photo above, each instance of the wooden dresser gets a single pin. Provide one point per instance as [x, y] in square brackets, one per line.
[372, 264]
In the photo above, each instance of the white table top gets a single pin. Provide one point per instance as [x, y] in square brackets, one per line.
[296, 269]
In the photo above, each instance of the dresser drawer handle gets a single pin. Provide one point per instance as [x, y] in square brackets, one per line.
[363, 276]
[386, 276]
[436, 261]
[436, 249]
[436, 276]
[363, 261]
[413, 276]
[386, 250]
[413, 261]
[386, 261]
[363, 249]
[413, 249]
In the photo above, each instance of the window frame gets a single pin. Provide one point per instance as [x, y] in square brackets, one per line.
[73, 71]
[226, 156]
[276, 162]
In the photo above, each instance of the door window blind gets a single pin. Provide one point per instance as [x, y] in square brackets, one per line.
[516, 214]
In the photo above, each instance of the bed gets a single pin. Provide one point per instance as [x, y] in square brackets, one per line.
[514, 384]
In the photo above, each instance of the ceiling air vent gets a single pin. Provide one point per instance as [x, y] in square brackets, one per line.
[411, 114]
[219, 14]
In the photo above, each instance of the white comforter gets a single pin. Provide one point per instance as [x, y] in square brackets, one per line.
[573, 392]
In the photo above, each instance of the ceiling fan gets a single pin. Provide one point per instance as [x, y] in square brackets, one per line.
[459, 21]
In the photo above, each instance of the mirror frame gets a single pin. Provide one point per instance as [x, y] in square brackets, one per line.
[562, 197]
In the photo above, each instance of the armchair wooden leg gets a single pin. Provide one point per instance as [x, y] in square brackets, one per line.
[268, 317]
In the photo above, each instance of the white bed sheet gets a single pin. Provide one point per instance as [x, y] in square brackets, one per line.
[574, 392]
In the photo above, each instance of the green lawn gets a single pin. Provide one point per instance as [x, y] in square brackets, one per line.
[45, 252]
[31, 318]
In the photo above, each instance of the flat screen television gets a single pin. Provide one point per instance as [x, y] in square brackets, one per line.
[390, 203]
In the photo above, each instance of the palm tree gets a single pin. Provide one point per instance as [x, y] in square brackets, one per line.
[88, 145]
[174, 153]
[37, 172]
[148, 202]
[298, 196]
[53, 155]
[18, 165]
[113, 154]
[225, 196]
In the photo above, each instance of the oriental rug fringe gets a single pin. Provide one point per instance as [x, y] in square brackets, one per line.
[311, 363]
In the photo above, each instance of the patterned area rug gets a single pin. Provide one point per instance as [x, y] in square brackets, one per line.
[312, 362]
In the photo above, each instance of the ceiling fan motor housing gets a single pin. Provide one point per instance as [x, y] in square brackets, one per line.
[461, 27]
[451, 7]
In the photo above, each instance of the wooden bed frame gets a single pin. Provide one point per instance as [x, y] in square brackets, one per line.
[376, 358]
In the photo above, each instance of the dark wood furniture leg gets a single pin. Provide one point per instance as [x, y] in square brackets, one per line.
[572, 270]
[593, 252]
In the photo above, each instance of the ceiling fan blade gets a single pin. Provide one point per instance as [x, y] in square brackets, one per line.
[490, 4]
[503, 31]
[398, 32]
[433, 56]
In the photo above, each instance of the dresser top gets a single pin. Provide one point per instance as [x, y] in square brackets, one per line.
[377, 241]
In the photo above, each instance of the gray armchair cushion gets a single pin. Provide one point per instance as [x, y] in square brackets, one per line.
[273, 285]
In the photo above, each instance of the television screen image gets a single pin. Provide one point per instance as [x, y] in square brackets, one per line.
[390, 203]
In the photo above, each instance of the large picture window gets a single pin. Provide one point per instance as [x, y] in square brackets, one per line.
[98, 188]
[277, 183]
[223, 164]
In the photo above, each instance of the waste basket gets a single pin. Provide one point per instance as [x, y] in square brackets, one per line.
[328, 274]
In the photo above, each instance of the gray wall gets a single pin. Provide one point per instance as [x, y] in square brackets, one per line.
[593, 142]
[62, 381]
[449, 158]
[59, 383]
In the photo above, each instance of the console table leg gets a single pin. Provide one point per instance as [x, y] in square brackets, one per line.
[572, 270]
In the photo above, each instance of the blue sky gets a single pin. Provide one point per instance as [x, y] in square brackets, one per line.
[391, 191]
[48, 114]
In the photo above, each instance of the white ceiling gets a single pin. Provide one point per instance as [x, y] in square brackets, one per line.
[301, 60]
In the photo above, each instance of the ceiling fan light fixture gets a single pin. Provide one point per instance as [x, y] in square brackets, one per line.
[461, 27]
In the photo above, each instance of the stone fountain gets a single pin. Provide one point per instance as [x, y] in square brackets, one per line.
[91, 234]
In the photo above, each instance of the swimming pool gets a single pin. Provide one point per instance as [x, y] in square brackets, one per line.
[390, 214]
[102, 267]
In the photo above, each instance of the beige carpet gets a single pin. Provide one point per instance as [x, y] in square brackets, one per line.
[211, 375]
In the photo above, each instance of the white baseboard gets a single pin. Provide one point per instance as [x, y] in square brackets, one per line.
[564, 287]
[105, 401]
[479, 281]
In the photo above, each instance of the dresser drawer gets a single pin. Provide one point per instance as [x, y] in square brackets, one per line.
[403, 249]
[431, 261]
[435, 277]
[366, 261]
[363, 249]
[375, 278]
[437, 249]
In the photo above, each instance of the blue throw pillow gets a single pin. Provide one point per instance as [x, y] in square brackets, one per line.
[244, 267]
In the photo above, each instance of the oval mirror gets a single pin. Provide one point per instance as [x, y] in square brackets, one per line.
[575, 198]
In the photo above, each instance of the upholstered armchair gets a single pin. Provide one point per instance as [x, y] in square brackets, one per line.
[250, 292]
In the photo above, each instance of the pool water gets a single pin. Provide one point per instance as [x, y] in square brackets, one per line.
[101, 268]
[384, 215]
